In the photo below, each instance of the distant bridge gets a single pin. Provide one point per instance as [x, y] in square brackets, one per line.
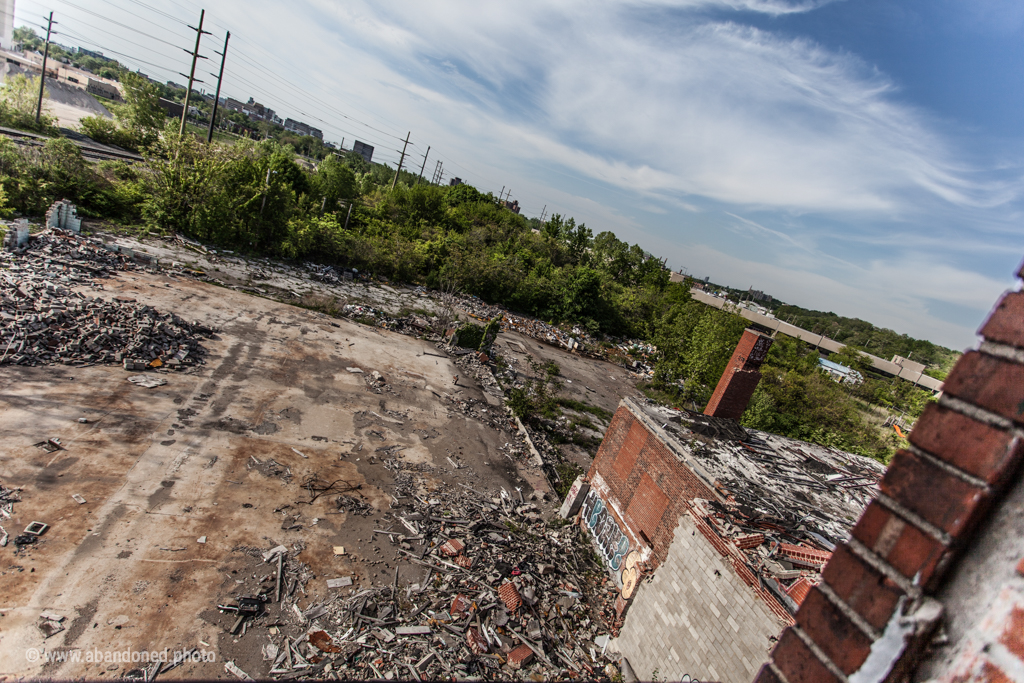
[904, 369]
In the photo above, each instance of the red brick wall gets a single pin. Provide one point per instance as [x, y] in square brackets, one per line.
[964, 453]
[740, 378]
[655, 505]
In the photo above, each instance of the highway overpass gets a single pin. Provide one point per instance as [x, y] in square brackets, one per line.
[903, 368]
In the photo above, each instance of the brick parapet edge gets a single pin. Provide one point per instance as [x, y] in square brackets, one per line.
[964, 452]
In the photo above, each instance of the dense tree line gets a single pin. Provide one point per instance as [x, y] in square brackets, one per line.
[257, 197]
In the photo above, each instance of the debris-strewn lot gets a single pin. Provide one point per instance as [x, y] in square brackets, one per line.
[280, 428]
[495, 593]
[44, 320]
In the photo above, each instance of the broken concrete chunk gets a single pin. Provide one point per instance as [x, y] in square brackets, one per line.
[37, 528]
[315, 612]
[339, 550]
[574, 499]
[274, 552]
[384, 634]
[147, 381]
[355, 371]
[201, 539]
[49, 628]
[413, 630]
[78, 499]
[52, 616]
[232, 669]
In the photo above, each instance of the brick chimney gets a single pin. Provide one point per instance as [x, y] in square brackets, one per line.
[740, 377]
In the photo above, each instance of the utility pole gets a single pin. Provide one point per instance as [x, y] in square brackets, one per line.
[501, 194]
[42, 76]
[433, 178]
[422, 166]
[192, 73]
[401, 160]
[543, 213]
[216, 98]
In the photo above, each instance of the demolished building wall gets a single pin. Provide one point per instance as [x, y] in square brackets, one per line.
[695, 593]
[768, 511]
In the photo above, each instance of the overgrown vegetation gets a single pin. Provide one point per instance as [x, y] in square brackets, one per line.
[254, 197]
[19, 100]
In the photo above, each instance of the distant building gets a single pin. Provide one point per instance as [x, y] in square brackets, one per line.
[455, 181]
[7, 32]
[840, 373]
[103, 89]
[252, 109]
[302, 128]
[173, 109]
[512, 206]
[364, 150]
[758, 295]
[89, 53]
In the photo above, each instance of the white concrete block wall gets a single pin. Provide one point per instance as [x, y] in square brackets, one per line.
[688, 620]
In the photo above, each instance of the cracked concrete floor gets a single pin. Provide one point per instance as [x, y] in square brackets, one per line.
[161, 467]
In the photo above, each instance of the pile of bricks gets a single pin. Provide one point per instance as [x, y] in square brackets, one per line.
[43, 320]
[505, 597]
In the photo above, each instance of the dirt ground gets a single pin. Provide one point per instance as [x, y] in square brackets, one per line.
[209, 454]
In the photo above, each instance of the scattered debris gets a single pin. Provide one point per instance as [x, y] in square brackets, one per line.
[43, 321]
[147, 381]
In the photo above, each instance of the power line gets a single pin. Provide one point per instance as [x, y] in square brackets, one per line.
[118, 23]
[114, 35]
[111, 51]
[330, 126]
[139, 16]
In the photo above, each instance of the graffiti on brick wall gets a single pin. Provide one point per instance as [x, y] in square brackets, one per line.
[613, 544]
[630, 574]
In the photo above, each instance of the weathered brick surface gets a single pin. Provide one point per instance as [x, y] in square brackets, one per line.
[992, 383]
[520, 656]
[647, 506]
[978, 449]
[946, 501]
[986, 629]
[741, 376]
[670, 480]
[687, 617]
[844, 643]
[626, 457]
[1006, 324]
[797, 663]
[766, 675]
[870, 594]
[910, 551]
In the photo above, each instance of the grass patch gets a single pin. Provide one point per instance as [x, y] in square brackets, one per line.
[583, 407]
[567, 472]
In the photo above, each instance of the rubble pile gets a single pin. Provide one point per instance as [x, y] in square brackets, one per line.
[413, 325]
[500, 595]
[787, 504]
[43, 321]
[8, 497]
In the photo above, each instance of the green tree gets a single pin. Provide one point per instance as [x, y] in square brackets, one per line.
[19, 97]
[137, 123]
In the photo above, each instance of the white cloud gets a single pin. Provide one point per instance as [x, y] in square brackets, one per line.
[609, 109]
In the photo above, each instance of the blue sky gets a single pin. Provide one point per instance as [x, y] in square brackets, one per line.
[863, 157]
